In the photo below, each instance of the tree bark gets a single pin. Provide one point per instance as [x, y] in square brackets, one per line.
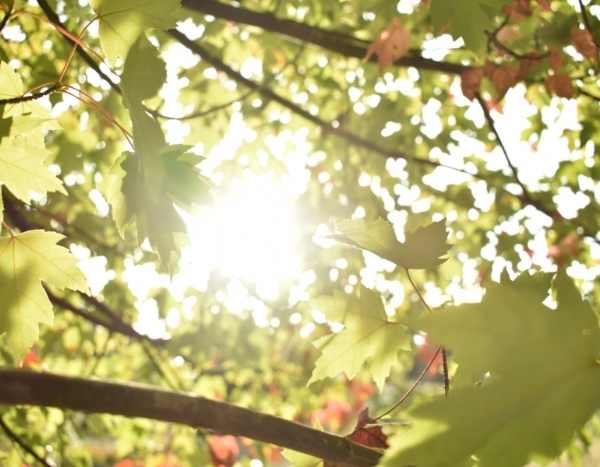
[23, 387]
[331, 40]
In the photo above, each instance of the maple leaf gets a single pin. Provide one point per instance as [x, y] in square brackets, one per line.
[470, 81]
[393, 43]
[123, 21]
[23, 155]
[424, 248]
[560, 84]
[144, 185]
[541, 363]
[368, 433]
[26, 260]
[584, 43]
[368, 336]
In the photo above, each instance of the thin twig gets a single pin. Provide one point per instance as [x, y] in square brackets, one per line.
[325, 126]
[202, 113]
[414, 386]
[493, 38]
[30, 96]
[54, 19]
[490, 121]
[444, 355]
[7, 15]
[22, 444]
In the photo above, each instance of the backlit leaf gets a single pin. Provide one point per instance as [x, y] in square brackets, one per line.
[26, 261]
[123, 21]
[423, 249]
[528, 378]
[23, 155]
[368, 337]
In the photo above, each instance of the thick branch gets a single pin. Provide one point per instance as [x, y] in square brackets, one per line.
[325, 126]
[21, 387]
[330, 40]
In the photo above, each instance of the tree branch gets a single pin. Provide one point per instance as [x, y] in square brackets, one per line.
[325, 126]
[53, 18]
[331, 40]
[22, 387]
[30, 96]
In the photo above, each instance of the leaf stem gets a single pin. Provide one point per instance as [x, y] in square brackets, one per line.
[444, 355]
[411, 389]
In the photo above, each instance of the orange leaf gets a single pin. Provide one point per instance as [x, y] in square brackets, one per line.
[556, 59]
[584, 43]
[503, 77]
[470, 81]
[393, 43]
[560, 85]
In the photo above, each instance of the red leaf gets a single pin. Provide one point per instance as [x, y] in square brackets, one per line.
[367, 433]
[224, 450]
[32, 359]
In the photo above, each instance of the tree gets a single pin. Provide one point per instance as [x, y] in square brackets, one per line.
[318, 233]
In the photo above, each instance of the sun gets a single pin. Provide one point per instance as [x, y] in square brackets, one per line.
[250, 233]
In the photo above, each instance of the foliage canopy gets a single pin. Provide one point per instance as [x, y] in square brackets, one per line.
[299, 210]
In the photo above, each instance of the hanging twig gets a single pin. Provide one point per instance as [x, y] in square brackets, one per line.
[22, 444]
[444, 355]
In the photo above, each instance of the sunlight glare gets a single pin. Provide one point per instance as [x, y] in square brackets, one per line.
[250, 233]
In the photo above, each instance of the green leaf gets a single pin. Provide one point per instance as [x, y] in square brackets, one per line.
[23, 155]
[423, 249]
[537, 376]
[144, 72]
[466, 18]
[298, 459]
[368, 337]
[143, 186]
[27, 260]
[123, 21]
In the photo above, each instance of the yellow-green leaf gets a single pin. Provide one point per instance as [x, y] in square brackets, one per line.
[368, 337]
[123, 21]
[23, 156]
[423, 249]
[26, 261]
[532, 379]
